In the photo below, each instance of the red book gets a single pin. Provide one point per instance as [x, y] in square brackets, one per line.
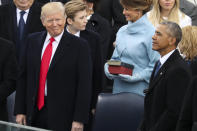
[118, 67]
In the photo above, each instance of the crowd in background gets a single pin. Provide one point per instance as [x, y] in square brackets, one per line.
[53, 60]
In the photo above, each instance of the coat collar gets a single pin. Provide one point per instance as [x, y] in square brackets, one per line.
[60, 51]
[94, 18]
[154, 80]
[138, 26]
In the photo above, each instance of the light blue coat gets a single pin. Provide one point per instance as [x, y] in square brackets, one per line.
[134, 46]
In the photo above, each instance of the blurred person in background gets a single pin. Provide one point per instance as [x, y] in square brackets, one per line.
[3, 2]
[111, 10]
[8, 75]
[188, 47]
[189, 9]
[188, 115]
[18, 19]
[99, 24]
[163, 10]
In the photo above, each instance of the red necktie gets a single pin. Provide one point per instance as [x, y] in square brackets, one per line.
[43, 73]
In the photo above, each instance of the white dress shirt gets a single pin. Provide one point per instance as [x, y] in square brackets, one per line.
[54, 47]
[18, 15]
[76, 34]
[165, 57]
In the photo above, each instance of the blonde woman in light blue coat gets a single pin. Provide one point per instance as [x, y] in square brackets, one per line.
[134, 46]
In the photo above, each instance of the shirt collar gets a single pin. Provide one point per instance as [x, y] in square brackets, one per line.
[165, 57]
[57, 38]
[76, 34]
[18, 11]
[88, 17]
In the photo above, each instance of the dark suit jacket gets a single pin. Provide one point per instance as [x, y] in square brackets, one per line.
[165, 95]
[3, 2]
[112, 11]
[93, 40]
[189, 9]
[68, 82]
[8, 74]
[193, 66]
[100, 25]
[8, 25]
[189, 109]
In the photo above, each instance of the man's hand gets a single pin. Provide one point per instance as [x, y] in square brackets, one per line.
[21, 119]
[77, 126]
[93, 111]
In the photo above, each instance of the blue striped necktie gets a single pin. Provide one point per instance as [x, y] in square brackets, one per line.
[21, 25]
[157, 68]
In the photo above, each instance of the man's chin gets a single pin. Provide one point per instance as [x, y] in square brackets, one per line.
[155, 49]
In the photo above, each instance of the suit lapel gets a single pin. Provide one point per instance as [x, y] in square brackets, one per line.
[14, 24]
[61, 49]
[29, 21]
[37, 50]
[153, 72]
[94, 23]
[37, 57]
[155, 79]
[162, 70]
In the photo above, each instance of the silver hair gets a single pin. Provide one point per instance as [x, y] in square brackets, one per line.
[174, 30]
[52, 7]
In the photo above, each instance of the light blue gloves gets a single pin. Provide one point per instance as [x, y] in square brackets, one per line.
[109, 75]
[128, 78]
[123, 77]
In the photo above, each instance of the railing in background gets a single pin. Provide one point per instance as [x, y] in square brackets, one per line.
[6, 126]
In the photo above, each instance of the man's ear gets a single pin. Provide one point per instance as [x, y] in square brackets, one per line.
[69, 21]
[172, 41]
[43, 22]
